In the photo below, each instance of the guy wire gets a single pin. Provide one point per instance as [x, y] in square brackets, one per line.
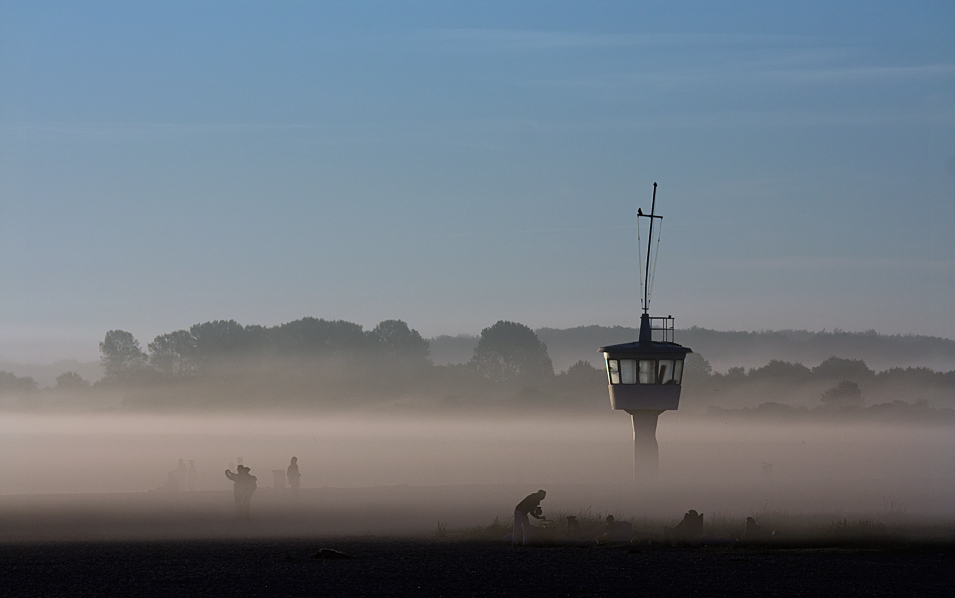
[656, 256]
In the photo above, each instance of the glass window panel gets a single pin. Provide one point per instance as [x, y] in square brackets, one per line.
[665, 371]
[678, 372]
[614, 371]
[628, 371]
[647, 371]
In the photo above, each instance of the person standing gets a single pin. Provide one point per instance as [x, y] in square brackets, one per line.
[181, 474]
[522, 526]
[243, 487]
[192, 475]
[294, 477]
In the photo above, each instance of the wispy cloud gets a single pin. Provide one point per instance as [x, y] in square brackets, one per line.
[738, 70]
[531, 231]
[780, 59]
[113, 132]
[507, 39]
[830, 263]
[865, 74]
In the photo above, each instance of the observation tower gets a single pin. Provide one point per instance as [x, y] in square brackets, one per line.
[645, 376]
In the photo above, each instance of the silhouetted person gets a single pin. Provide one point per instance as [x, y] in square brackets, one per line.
[609, 523]
[752, 531]
[235, 489]
[181, 474]
[573, 527]
[294, 477]
[522, 526]
[243, 487]
[192, 475]
[688, 530]
[615, 531]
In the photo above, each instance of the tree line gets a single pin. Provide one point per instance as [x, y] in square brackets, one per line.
[205, 349]
[331, 361]
[335, 362]
[834, 383]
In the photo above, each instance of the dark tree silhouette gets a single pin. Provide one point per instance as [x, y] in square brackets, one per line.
[9, 382]
[219, 338]
[781, 371]
[844, 394]
[582, 384]
[122, 358]
[849, 369]
[696, 370]
[71, 381]
[395, 342]
[174, 354]
[314, 335]
[734, 375]
[510, 352]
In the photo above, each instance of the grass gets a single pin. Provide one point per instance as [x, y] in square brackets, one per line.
[780, 529]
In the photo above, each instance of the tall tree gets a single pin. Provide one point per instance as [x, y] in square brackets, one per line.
[9, 382]
[122, 358]
[219, 342]
[845, 394]
[71, 381]
[846, 369]
[582, 384]
[174, 354]
[511, 352]
[314, 335]
[396, 343]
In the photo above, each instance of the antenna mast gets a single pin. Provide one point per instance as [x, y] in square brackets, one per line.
[646, 277]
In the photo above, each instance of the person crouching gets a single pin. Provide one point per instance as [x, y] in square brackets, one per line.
[522, 526]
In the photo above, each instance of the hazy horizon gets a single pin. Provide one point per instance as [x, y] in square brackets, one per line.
[722, 350]
[93, 355]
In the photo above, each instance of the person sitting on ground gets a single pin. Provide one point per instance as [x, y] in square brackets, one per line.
[752, 531]
[688, 530]
[522, 525]
[573, 527]
[615, 531]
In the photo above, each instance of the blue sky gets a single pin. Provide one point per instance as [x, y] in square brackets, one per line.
[453, 164]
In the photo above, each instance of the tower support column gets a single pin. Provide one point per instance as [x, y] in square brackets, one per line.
[646, 453]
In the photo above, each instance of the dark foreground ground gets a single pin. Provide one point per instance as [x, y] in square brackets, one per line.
[383, 567]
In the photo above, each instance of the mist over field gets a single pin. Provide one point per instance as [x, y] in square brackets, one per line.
[134, 453]
[102, 475]
[388, 442]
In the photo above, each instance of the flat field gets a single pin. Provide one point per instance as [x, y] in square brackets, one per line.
[382, 567]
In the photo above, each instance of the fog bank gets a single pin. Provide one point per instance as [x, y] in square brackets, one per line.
[395, 473]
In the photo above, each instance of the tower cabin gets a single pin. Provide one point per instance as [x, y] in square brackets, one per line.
[646, 374]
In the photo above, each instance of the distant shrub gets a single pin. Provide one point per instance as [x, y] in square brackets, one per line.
[845, 394]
